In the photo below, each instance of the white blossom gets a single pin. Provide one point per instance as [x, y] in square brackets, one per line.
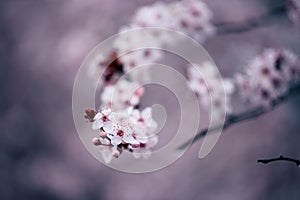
[103, 120]
[137, 48]
[129, 129]
[191, 17]
[122, 131]
[207, 83]
[155, 15]
[143, 123]
[268, 76]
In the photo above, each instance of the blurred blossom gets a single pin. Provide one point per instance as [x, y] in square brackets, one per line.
[122, 95]
[206, 82]
[125, 44]
[191, 17]
[268, 76]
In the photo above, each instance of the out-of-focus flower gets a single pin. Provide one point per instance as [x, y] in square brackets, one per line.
[268, 76]
[144, 149]
[141, 118]
[121, 95]
[191, 17]
[143, 123]
[294, 12]
[142, 46]
[107, 150]
[155, 15]
[207, 83]
[125, 132]
[107, 64]
[137, 48]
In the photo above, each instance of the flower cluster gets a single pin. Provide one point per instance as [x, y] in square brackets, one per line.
[268, 76]
[137, 48]
[129, 129]
[191, 17]
[206, 82]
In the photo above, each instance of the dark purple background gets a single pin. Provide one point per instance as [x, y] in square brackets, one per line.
[42, 44]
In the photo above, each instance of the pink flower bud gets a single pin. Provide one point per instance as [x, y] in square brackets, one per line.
[135, 145]
[139, 92]
[103, 134]
[116, 153]
[96, 141]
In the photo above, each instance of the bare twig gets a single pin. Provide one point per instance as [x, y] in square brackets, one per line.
[246, 115]
[280, 158]
[256, 22]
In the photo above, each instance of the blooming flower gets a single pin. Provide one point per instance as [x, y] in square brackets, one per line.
[127, 129]
[144, 125]
[122, 131]
[103, 120]
[268, 76]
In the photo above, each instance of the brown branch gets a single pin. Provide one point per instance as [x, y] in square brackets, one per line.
[246, 115]
[280, 158]
[250, 24]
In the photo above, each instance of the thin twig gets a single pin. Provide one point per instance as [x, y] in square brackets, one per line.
[256, 22]
[280, 158]
[246, 115]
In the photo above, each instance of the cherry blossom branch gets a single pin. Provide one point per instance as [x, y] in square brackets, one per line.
[250, 24]
[280, 158]
[246, 115]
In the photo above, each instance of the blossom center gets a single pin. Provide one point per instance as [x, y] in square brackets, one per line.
[120, 133]
[141, 119]
[104, 118]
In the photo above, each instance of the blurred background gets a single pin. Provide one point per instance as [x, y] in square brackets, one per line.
[42, 44]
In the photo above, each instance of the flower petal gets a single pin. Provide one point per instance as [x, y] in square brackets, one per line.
[107, 155]
[108, 127]
[130, 139]
[97, 124]
[116, 140]
[98, 116]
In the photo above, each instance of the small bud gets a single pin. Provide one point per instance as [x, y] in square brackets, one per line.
[139, 92]
[116, 153]
[103, 134]
[96, 141]
[135, 145]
